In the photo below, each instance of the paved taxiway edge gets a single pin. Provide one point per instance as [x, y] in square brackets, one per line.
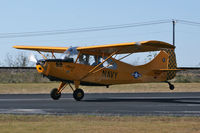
[120, 104]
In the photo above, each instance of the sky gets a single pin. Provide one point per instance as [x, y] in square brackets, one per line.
[45, 15]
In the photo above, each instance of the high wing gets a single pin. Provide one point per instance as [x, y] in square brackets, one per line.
[124, 48]
[121, 48]
[43, 48]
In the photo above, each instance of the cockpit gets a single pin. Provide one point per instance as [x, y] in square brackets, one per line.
[72, 55]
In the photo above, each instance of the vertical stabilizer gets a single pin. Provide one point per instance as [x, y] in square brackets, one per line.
[171, 63]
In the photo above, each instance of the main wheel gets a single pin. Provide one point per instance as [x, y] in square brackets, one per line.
[54, 94]
[78, 94]
[171, 87]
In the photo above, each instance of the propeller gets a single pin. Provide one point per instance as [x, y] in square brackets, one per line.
[32, 58]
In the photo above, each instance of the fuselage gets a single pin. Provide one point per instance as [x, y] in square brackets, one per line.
[123, 73]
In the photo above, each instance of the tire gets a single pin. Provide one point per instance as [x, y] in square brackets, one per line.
[171, 87]
[78, 94]
[54, 94]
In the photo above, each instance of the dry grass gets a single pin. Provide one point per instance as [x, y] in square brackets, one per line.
[130, 88]
[12, 88]
[147, 87]
[97, 124]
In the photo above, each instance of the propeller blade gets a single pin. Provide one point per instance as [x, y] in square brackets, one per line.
[32, 58]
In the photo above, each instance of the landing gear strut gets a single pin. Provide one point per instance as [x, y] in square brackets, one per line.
[171, 86]
[78, 93]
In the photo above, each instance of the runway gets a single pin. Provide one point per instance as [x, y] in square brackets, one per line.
[135, 104]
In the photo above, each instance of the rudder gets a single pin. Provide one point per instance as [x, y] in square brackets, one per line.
[171, 63]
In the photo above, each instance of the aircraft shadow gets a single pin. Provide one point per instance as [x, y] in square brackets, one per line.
[150, 100]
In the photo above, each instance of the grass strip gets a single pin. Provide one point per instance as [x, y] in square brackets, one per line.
[30, 88]
[97, 124]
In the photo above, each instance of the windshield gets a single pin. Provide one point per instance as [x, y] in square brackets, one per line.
[70, 53]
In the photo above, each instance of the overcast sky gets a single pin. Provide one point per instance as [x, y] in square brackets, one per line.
[42, 15]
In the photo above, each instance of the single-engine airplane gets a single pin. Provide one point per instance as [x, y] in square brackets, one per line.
[97, 65]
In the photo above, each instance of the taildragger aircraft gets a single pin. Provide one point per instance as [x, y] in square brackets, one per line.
[97, 65]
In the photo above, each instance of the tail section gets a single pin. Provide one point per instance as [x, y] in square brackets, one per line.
[171, 63]
[165, 62]
[159, 62]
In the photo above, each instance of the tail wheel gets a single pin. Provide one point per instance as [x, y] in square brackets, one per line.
[78, 94]
[171, 87]
[54, 94]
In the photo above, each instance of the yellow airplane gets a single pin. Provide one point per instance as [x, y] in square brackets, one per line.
[97, 65]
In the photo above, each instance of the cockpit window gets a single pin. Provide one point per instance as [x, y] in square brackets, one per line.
[110, 64]
[93, 60]
[71, 53]
[86, 59]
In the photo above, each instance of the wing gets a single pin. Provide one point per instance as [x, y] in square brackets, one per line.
[124, 48]
[121, 48]
[43, 48]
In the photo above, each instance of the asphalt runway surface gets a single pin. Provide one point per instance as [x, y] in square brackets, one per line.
[135, 104]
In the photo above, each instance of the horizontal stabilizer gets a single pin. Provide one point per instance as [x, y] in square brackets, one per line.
[169, 70]
[179, 69]
[189, 68]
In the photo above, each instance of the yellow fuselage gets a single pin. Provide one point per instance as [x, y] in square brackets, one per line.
[124, 74]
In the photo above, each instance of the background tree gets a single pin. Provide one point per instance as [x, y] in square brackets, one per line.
[20, 60]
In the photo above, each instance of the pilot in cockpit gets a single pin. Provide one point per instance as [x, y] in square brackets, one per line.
[70, 54]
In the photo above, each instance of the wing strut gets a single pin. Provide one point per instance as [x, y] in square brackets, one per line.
[53, 56]
[77, 57]
[112, 63]
[93, 69]
[42, 55]
[125, 56]
[52, 52]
